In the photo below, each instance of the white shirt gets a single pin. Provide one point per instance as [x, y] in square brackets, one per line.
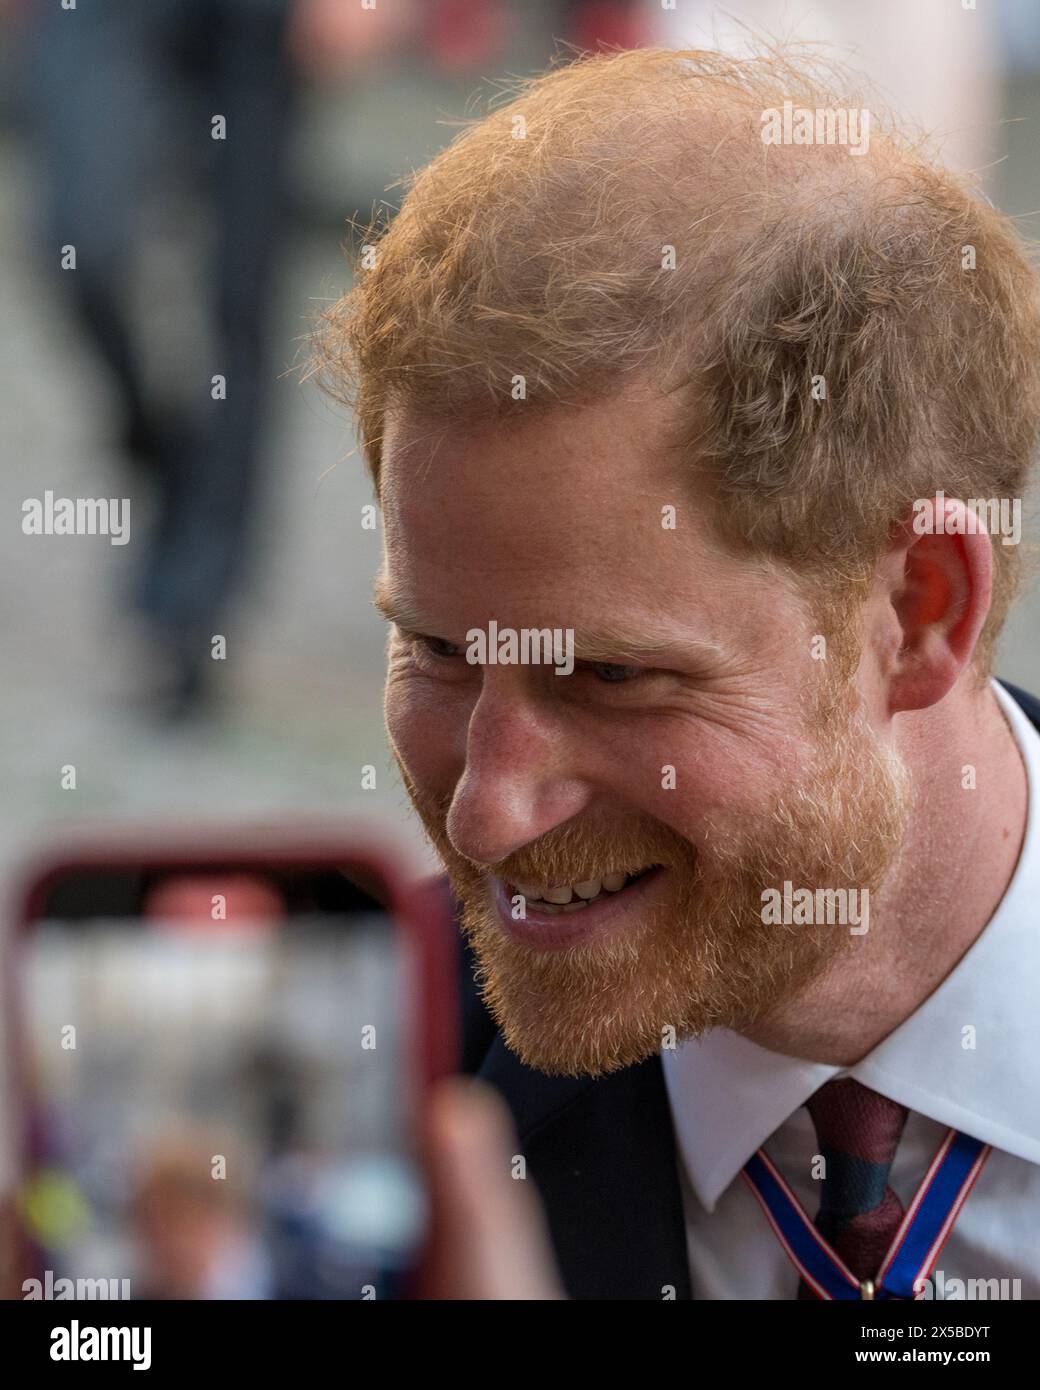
[728, 1097]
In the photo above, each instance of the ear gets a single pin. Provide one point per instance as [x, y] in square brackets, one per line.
[940, 595]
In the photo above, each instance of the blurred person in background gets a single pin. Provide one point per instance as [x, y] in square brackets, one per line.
[125, 102]
[172, 120]
[194, 1233]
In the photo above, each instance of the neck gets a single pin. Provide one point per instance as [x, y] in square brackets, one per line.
[957, 858]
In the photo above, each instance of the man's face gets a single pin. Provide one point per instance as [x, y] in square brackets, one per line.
[690, 756]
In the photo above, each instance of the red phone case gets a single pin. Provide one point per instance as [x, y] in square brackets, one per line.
[419, 909]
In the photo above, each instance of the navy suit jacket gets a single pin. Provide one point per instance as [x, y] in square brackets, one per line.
[602, 1153]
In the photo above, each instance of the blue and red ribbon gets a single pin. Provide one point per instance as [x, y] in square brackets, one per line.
[916, 1244]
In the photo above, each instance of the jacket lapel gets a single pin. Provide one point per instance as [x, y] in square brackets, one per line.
[602, 1155]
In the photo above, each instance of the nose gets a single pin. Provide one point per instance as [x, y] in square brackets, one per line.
[521, 778]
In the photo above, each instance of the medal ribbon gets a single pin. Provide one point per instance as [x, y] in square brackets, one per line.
[915, 1247]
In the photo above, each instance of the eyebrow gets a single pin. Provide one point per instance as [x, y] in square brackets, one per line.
[393, 606]
[607, 644]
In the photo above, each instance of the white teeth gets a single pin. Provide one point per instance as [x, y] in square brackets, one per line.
[571, 896]
[557, 895]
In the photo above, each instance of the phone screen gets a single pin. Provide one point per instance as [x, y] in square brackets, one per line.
[219, 1104]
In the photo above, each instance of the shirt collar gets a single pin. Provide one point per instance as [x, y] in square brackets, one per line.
[728, 1095]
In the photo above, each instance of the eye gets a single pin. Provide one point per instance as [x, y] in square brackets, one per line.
[612, 673]
[435, 646]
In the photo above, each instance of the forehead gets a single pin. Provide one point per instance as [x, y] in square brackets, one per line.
[556, 519]
[558, 523]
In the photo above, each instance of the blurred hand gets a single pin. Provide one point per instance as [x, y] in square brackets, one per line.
[489, 1236]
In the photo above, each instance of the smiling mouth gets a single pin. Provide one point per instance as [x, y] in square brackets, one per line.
[575, 897]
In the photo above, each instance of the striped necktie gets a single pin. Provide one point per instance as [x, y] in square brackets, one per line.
[858, 1132]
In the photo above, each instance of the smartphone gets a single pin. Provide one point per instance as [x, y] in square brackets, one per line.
[221, 1043]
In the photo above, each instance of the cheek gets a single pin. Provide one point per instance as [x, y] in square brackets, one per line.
[692, 771]
[427, 729]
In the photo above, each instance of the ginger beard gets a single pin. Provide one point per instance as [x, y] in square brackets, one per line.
[701, 956]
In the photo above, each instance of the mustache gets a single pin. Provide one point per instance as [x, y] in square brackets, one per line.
[580, 852]
[575, 852]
